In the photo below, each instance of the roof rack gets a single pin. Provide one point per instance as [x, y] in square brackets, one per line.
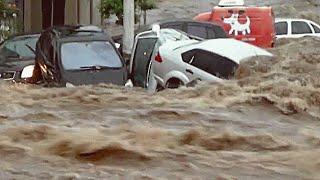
[227, 3]
[69, 29]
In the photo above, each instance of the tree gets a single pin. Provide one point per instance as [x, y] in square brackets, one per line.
[8, 15]
[109, 7]
[146, 5]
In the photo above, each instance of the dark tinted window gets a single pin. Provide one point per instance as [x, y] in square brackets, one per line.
[211, 63]
[81, 55]
[177, 26]
[199, 31]
[219, 32]
[316, 29]
[211, 33]
[299, 27]
[141, 61]
[282, 28]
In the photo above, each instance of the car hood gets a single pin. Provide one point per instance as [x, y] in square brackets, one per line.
[87, 77]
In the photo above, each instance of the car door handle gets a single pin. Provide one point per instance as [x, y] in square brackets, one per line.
[189, 71]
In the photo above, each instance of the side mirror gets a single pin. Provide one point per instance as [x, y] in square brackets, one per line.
[117, 45]
[156, 28]
[129, 84]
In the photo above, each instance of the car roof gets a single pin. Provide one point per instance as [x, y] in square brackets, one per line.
[292, 19]
[230, 48]
[23, 35]
[77, 32]
[184, 20]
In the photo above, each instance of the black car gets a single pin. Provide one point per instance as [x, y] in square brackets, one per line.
[16, 57]
[78, 55]
[203, 30]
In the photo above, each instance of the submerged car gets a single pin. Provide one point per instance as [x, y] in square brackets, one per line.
[78, 55]
[16, 57]
[167, 58]
[203, 30]
[296, 28]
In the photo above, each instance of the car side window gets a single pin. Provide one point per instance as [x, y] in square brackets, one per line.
[282, 28]
[316, 28]
[198, 31]
[211, 63]
[300, 27]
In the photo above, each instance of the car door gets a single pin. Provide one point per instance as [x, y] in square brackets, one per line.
[141, 60]
[300, 29]
[282, 29]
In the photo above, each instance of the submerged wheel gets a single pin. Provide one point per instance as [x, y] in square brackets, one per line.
[174, 83]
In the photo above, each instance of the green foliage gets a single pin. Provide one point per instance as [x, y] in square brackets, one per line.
[146, 4]
[110, 7]
[8, 17]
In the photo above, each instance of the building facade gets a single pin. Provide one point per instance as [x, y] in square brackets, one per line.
[41, 14]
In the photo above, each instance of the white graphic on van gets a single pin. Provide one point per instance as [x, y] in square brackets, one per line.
[236, 26]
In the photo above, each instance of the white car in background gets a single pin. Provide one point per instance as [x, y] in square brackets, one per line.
[296, 28]
[169, 59]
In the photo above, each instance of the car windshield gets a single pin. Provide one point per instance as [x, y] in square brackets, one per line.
[17, 47]
[83, 55]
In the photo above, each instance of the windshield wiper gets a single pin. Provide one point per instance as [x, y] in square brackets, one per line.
[97, 67]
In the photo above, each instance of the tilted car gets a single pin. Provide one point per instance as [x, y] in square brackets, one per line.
[16, 57]
[179, 63]
[78, 55]
[296, 28]
[169, 59]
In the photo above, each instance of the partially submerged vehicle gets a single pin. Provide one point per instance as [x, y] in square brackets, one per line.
[254, 25]
[166, 58]
[296, 28]
[78, 55]
[198, 29]
[16, 57]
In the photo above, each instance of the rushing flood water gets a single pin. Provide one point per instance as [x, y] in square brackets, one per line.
[263, 125]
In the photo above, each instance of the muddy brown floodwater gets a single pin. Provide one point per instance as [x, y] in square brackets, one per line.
[265, 124]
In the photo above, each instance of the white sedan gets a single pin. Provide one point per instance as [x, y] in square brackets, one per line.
[296, 28]
[181, 62]
[169, 59]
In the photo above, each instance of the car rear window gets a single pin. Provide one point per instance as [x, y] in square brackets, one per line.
[75, 55]
[282, 28]
[316, 29]
[300, 27]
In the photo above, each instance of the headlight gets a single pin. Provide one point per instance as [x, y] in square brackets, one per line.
[27, 72]
[69, 85]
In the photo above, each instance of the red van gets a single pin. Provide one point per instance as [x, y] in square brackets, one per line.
[254, 25]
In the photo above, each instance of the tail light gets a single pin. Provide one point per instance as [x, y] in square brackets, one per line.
[158, 58]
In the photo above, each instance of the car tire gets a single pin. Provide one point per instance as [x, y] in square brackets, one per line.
[174, 83]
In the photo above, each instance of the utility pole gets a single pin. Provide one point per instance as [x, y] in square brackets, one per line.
[128, 25]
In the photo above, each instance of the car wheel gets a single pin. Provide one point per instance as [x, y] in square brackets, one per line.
[174, 83]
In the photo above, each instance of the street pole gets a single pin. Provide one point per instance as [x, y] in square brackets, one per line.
[128, 25]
